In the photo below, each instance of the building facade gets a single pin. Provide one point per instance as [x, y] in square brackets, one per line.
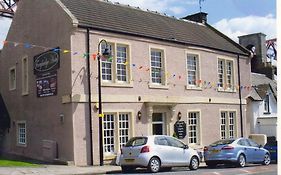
[161, 70]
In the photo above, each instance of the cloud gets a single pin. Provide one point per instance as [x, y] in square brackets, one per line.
[4, 27]
[247, 25]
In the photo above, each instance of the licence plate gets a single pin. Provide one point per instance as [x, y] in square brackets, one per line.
[272, 151]
[129, 160]
[215, 151]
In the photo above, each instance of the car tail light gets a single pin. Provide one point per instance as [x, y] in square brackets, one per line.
[145, 149]
[205, 148]
[227, 147]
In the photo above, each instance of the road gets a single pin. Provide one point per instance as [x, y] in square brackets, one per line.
[221, 170]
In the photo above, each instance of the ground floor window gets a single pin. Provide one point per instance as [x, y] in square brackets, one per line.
[193, 128]
[21, 133]
[116, 131]
[228, 124]
[158, 124]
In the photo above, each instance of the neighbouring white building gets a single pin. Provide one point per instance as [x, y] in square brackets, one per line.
[262, 106]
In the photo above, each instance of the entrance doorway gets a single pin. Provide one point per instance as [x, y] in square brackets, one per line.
[158, 124]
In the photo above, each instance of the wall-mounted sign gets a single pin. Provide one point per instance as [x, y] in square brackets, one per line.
[47, 61]
[180, 129]
[47, 86]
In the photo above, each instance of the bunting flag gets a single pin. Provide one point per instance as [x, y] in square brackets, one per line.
[66, 51]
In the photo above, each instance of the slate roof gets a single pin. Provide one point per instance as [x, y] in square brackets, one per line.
[106, 16]
[261, 84]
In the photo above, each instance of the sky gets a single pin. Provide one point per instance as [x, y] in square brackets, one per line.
[232, 17]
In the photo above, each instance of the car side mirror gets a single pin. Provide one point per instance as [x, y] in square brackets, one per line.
[260, 146]
[185, 147]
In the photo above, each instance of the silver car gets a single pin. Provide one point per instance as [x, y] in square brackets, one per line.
[157, 152]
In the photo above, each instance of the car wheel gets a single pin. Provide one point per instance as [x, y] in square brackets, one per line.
[211, 165]
[194, 163]
[241, 162]
[127, 169]
[266, 160]
[154, 165]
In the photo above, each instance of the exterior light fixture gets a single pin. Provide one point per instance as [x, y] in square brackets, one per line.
[179, 115]
[139, 115]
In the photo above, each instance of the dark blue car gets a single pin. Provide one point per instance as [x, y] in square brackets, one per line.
[271, 146]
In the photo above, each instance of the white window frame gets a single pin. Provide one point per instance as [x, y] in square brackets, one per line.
[12, 85]
[163, 72]
[230, 124]
[226, 78]
[114, 63]
[25, 78]
[197, 125]
[117, 132]
[197, 85]
[21, 137]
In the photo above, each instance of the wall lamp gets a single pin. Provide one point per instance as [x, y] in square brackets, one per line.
[179, 116]
[139, 115]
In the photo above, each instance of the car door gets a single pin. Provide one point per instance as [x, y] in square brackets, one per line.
[258, 153]
[180, 155]
[247, 149]
[164, 150]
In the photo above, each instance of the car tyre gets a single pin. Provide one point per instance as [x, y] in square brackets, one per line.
[194, 163]
[241, 161]
[266, 160]
[154, 165]
[127, 169]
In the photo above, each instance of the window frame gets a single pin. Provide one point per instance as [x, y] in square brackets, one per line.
[116, 131]
[25, 76]
[225, 86]
[228, 124]
[19, 143]
[266, 107]
[114, 65]
[198, 127]
[163, 71]
[12, 85]
[197, 86]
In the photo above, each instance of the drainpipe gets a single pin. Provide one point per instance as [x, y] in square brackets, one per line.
[89, 96]
[240, 98]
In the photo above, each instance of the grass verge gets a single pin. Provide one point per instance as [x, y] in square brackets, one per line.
[12, 163]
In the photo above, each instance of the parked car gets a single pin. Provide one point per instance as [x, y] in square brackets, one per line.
[235, 151]
[157, 152]
[271, 146]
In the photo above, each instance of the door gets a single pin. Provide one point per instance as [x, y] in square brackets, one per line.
[158, 124]
[258, 152]
[179, 155]
[247, 149]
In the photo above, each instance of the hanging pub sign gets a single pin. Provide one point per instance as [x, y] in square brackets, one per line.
[47, 62]
[180, 129]
[47, 85]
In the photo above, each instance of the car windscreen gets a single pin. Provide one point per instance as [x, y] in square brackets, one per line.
[222, 142]
[136, 141]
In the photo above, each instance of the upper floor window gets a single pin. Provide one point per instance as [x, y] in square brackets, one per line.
[25, 76]
[116, 68]
[225, 74]
[157, 66]
[192, 69]
[12, 78]
[266, 104]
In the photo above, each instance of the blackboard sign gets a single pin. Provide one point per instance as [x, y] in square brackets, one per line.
[180, 129]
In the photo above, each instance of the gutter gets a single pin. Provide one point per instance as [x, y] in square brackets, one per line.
[240, 96]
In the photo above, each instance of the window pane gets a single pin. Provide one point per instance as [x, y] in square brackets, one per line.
[193, 128]
[220, 73]
[223, 125]
[121, 60]
[156, 66]
[108, 122]
[106, 64]
[192, 72]
[21, 133]
[123, 129]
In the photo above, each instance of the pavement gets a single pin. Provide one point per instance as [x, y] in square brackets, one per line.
[62, 170]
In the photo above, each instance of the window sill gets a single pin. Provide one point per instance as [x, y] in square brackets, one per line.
[226, 90]
[110, 157]
[196, 88]
[158, 86]
[12, 89]
[121, 85]
[21, 145]
[25, 94]
[266, 113]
